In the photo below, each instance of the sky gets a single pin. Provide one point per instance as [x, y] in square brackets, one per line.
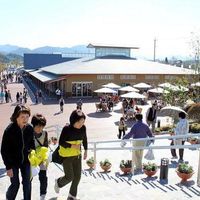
[65, 23]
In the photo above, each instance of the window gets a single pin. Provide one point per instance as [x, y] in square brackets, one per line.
[127, 77]
[105, 77]
[152, 77]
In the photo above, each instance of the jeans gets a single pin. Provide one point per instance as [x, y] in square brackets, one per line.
[181, 151]
[72, 170]
[14, 186]
[43, 182]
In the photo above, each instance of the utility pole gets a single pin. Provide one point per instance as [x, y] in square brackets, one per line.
[154, 50]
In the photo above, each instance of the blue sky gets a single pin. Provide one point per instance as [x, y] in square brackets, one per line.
[35, 23]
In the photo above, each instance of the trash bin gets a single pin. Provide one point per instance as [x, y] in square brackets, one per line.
[164, 166]
[158, 123]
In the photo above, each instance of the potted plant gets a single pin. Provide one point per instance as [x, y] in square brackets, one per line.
[150, 169]
[90, 162]
[193, 140]
[105, 165]
[184, 171]
[126, 166]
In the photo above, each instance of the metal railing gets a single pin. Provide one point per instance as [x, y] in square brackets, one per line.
[93, 146]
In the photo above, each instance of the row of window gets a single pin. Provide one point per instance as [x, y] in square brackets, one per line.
[133, 77]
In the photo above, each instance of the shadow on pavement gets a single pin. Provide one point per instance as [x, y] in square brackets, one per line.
[99, 115]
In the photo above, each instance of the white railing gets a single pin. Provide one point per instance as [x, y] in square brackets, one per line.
[93, 146]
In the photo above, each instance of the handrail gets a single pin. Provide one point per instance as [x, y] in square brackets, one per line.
[95, 147]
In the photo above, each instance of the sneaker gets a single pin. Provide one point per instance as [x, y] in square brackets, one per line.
[180, 160]
[71, 197]
[56, 187]
[42, 197]
[174, 157]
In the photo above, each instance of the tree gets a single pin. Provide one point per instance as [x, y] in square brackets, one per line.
[195, 51]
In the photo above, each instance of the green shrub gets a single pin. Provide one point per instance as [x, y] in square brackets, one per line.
[150, 166]
[126, 164]
[185, 168]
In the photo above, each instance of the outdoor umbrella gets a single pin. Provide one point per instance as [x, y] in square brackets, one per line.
[171, 111]
[142, 85]
[195, 84]
[158, 90]
[129, 89]
[105, 90]
[133, 95]
[112, 85]
[165, 85]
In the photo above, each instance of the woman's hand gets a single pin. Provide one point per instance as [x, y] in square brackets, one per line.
[75, 146]
[85, 154]
[10, 173]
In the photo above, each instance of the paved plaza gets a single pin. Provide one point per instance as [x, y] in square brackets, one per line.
[96, 185]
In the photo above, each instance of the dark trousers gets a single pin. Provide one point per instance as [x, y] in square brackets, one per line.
[43, 181]
[72, 170]
[14, 187]
[181, 151]
[120, 133]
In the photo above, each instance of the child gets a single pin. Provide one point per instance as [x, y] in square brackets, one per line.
[122, 127]
[41, 139]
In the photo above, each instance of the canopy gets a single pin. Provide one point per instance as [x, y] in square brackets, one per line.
[105, 90]
[133, 95]
[112, 85]
[158, 90]
[165, 85]
[129, 89]
[171, 111]
[142, 85]
[197, 84]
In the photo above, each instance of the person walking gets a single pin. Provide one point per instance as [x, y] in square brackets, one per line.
[151, 116]
[61, 103]
[71, 138]
[182, 128]
[138, 130]
[16, 144]
[122, 127]
[9, 96]
[41, 140]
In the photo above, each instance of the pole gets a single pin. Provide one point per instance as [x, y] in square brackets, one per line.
[198, 175]
[154, 50]
[95, 155]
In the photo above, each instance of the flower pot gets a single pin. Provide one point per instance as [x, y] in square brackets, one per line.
[193, 141]
[91, 165]
[126, 170]
[184, 176]
[105, 167]
[149, 173]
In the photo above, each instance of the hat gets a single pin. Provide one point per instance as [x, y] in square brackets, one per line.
[75, 116]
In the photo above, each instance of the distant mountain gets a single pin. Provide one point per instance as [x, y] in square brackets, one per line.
[6, 49]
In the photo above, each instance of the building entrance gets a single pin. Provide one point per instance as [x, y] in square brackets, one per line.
[81, 89]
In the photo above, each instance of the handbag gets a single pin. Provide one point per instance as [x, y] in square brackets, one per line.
[56, 158]
[149, 155]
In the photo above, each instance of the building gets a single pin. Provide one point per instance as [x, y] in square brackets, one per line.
[80, 77]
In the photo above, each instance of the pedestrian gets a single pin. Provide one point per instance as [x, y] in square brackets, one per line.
[71, 138]
[6, 96]
[40, 96]
[58, 93]
[61, 103]
[16, 144]
[138, 130]
[151, 116]
[36, 97]
[79, 104]
[20, 97]
[9, 96]
[41, 140]
[2, 96]
[182, 128]
[17, 97]
[122, 127]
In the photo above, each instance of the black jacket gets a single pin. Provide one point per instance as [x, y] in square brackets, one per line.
[16, 145]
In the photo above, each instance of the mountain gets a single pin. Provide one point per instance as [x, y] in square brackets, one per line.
[13, 49]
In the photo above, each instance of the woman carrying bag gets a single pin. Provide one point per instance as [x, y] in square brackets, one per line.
[71, 139]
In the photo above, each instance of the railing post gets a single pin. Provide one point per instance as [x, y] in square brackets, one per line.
[132, 170]
[95, 156]
[198, 175]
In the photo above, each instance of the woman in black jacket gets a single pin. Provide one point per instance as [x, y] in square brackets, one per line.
[16, 144]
